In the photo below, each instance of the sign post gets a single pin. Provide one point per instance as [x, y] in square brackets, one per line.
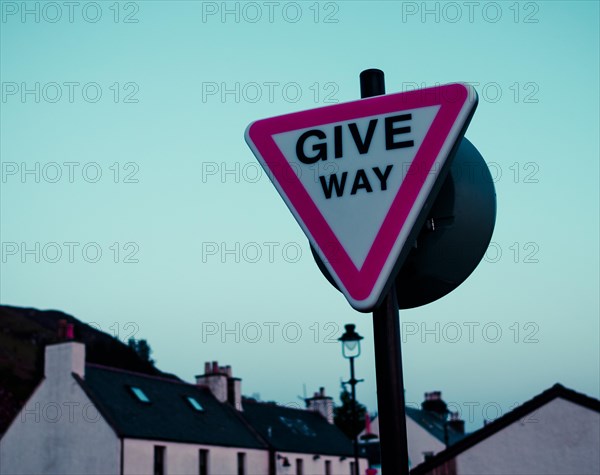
[388, 356]
[390, 386]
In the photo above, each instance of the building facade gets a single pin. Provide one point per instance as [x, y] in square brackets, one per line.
[556, 432]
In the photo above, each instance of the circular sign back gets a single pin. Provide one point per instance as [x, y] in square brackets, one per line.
[455, 236]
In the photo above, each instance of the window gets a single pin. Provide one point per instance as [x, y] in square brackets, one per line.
[194, 403]
[427, 455]
[327, 467]
[299, 467]
[139, 394]
[241, 463]
[159, 460]
[352, 469]
[298, 426]
[203, 460]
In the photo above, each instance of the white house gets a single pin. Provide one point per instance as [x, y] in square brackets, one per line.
[556, 432]
[428, 431]
[88, 419]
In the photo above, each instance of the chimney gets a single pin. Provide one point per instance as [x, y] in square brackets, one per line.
[61, 331]
[221, 383]
[456, 423]
[234, 392]
[434, 403]
[214, 380]
[234, 388]
[63, 359]
[322, 404]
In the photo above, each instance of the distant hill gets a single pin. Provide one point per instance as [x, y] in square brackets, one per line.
[24, 332]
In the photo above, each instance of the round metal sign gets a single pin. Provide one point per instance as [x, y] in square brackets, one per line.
[456, 234]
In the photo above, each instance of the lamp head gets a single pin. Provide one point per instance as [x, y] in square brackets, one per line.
[350, 342]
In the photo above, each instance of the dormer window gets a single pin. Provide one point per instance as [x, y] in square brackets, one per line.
[193, 402]
[139, 394]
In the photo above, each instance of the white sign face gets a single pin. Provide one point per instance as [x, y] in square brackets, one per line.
[357, 176]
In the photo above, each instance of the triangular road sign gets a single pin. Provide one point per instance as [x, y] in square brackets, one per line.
[360, 176]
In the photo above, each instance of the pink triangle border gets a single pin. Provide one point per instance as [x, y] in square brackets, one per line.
[359, 283]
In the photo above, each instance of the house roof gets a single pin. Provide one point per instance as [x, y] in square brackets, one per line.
[556, 391]
[168, 415]
[428, 420]
[295, 430]
[434, 424]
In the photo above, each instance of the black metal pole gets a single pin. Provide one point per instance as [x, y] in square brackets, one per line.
[390, 386]
[388, 357]
[353, 382]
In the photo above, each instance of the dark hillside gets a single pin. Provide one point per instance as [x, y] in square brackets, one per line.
[24, 332]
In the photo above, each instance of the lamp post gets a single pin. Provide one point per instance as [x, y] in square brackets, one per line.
[351, 349]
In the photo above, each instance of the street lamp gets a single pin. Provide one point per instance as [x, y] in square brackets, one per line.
[351, 349]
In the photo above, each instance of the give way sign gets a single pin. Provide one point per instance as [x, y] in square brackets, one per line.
[359, 177]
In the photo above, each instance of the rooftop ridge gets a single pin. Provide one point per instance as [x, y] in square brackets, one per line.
[175, 379]
[582, 398]
[276, 404]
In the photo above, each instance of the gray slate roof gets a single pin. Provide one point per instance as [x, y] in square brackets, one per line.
[434, 424]
[295, 430]
[168, 416]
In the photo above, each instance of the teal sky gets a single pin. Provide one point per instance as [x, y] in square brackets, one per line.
[187, 192]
